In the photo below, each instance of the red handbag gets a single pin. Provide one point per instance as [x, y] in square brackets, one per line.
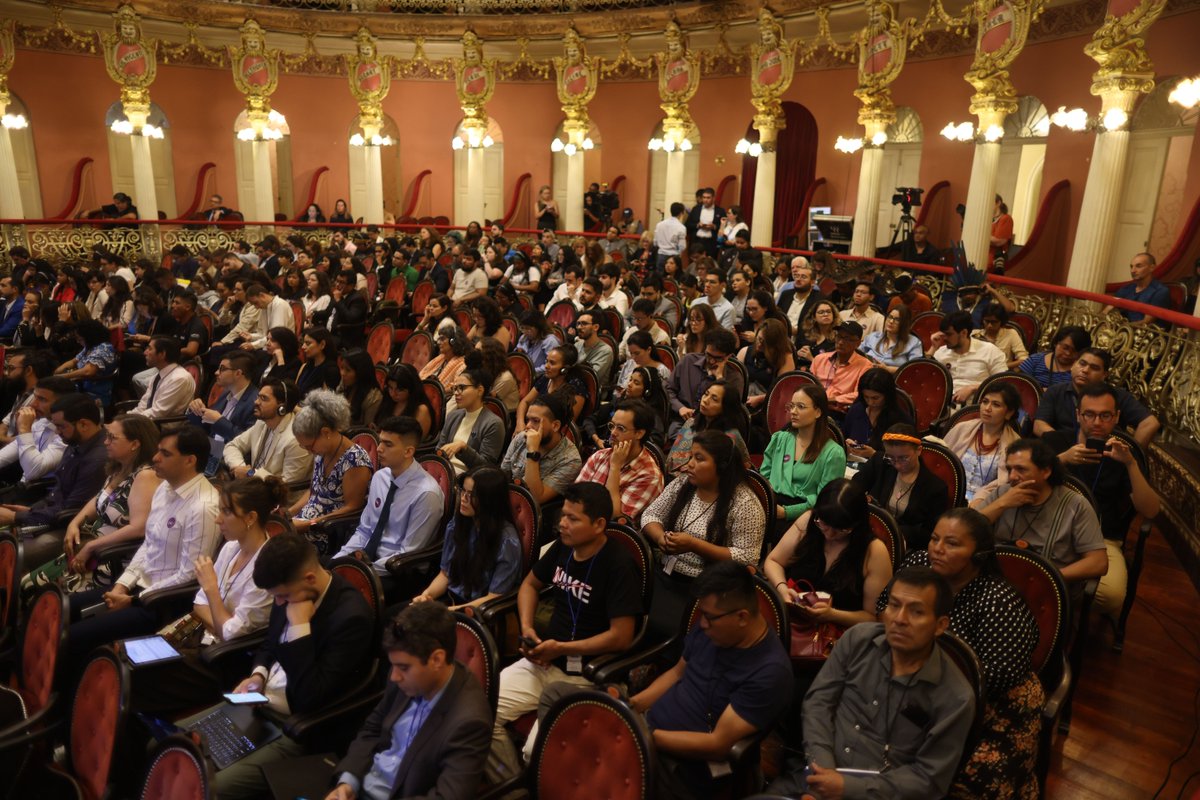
[812, 642]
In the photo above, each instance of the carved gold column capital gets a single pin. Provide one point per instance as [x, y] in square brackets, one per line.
[768, 127]
[1118, 48]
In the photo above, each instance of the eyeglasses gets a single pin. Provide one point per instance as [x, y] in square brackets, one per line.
[1103, 416]
[459, 388]
[614, 427]
[112, 437]
[467, 494]
[715, 357]
[797, 407]
[711, 618]
[826, 526]
[224, 368]
[887, 459]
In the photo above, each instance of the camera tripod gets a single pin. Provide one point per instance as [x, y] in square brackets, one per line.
[904, 227]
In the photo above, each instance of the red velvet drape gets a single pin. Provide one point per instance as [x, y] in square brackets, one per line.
[795, 169]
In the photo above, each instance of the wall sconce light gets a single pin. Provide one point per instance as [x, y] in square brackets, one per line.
[1187, 93]
[669, 145]
[746, 147]
[558, 146]
[472, 141]
[848, 146]
[14, 122]
[272, 132]
[1077, 120]
[960, 132]
[125, 127]
[358, 140]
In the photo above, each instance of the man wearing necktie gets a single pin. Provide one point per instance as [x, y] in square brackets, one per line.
[429, 735]
[404, 508]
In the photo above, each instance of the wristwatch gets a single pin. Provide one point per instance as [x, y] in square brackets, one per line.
[535, 456]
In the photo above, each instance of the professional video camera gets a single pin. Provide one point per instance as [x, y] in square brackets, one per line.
[907, 197]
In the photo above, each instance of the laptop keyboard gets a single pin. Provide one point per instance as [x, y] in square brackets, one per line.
[226, 742]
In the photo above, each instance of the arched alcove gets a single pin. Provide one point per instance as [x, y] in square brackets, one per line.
[1022, 156]
[558, 165]
[389, 161]
[901, 167]
[1153, 203]
[25, 158]
[795, 169]
[120, 159]
[658, 207]
[281, 167]
[493, 175]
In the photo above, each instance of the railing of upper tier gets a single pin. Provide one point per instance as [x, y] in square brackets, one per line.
[1159, 364]
[457, 6]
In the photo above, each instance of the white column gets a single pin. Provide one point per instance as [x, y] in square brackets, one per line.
[673, 180]
[1098, 213]
[981, 201]
[264, 182]
[145, 194]
[475, 204]
[764, 199]
[10, 189]
[373, 213]
[573, 219]
[866, 207]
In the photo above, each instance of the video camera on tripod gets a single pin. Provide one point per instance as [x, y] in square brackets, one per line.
[906, 197]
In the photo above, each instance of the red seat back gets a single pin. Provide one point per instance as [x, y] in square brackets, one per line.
[420, 296]
[41, 646]
[925, 325]
[521, 368]
[514, 331]
[884, 526]
[397, 288]
[194, 369]
[179, 771]
[476, 650]
[938, 459]
[418, 349]
[1029, 389]
[527, 516]
[97, 717]
[463, 318]
[437, 401]
[770, 605]
[11, 568]
[442, 472]
[929, 384]
[369, 442]
[665, 356]
[298, 316]
[590, 745]
[379, 343]
[778, 416]
[1045, 593]
[1029, 326]
[562, 313]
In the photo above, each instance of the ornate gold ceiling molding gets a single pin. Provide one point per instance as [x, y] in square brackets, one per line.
[314, 42]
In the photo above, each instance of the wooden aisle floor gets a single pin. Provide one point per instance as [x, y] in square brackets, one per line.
[1136, 711]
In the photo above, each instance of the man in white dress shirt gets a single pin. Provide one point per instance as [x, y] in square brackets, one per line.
[274, 312]
[171, 388]
[37, 447]
[670, 236]
[969, 360]
[861, 311]
[404, 507]
[181, 526]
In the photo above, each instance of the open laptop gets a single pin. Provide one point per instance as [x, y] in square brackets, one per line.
[230, 732]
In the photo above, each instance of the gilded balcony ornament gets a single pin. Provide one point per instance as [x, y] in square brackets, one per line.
[577, 77]
[772, 65]
[255, 73]
[626, 65]
[57, 36]
[525, 66]
[131, 62]
[1118, 47]
[474, 81]
[883, 46]
[370, 76]
[8, 54]
[419, 66]
[193, 51]
[1002, 28]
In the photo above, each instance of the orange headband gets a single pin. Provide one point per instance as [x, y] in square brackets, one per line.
[901, 437]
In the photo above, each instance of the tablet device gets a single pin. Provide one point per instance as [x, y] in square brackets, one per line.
[149, 650]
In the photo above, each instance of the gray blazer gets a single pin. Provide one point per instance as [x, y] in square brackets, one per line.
[485, 445]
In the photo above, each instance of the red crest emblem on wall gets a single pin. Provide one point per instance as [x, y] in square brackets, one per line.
[879, 54]
[997, 28]
[131, 60]
[368, 77]
[254, 70]
[474, 80]
[770, 67]
[678, 74]
[1119, 8]
[575, 79]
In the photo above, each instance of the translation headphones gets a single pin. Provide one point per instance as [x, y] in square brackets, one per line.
[981, 557]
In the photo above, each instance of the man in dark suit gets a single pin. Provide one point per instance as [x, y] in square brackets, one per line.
[318, 646]
[797, 302]
[233, 412]
[704, 222]
[349, 310]
[429, 735]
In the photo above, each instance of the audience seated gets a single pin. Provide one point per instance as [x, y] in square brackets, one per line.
[348, 310]
[95, 365]
[700, 320]
[187, 330]
[801, 459]
[800, 300]
[707, 514]
[561, 378]
[446, 366]
[22, 371]
[274, 312]
[537, 339]
[341, 469]
[696, 371]
[993, 619]
[318, 646]
[1106, 464]
[171, 387]
[472, 435]
[404, 504]
[626, 469]
[874, 411]
[227, 605]
[652, 290]
[896, 480]
[595, 611]
[233, 412]
[1057, 410]
[732, 681]
[993, 329]
[719, 410]
[970, 361]
[481, 557]
[283, 355]
[36, 449]
[1050, 368]
[180, 527]
[541, 458]
[982, 444]
[430, 696]
[909, 748]
[359, 386]
[894, 345]
[320, 368]
[713, 284]
[117, 513]
[860, 310]
[593, 350]
[405, 397]
[1036, 510]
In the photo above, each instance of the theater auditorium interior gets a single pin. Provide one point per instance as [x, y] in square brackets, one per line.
[854, 343]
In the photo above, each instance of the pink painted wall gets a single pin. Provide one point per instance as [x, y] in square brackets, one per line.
[202, 104]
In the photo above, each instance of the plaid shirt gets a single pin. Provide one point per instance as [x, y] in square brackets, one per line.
[641, 479]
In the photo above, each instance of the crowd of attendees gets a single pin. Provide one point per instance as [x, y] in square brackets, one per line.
[185, 405]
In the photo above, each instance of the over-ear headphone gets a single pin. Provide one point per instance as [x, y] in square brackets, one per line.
[981, 557]
[283, 407]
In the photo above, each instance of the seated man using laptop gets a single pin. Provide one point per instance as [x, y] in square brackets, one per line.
[429, 735]
[318, 645]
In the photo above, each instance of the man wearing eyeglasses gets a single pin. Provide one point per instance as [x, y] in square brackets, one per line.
[714, 295]
[695, 372]
[37, 450]
[233, 412]
[627, 469]
[22, 370]
[1057, 409]
[840, 369]
[1107, 465]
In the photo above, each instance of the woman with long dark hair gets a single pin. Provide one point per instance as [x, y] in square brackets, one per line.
[561, 372]
[438, 316]
[118, 309]
[708, 514]
[405, 397]
[874, 411]
[448, 364]
[700, 320]
[317, 297]
[295, 285]
[359, 386]
[897, 481]
[320, 369]
[720, 410]
[488, 321]
[801, 459]
[982, 444]
[284, 349]
[1054, 366]
[894, 346]
[481, 557]
[767, 357]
